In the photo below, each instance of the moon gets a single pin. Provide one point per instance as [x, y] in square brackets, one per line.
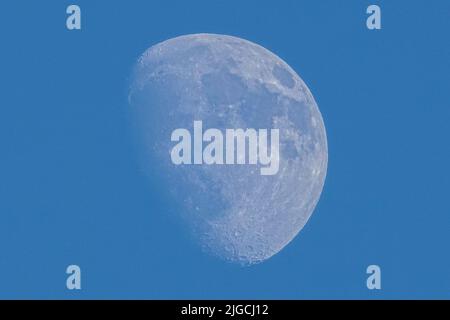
[233, 211]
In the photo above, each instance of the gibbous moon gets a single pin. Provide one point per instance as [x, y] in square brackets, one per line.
[233, 211]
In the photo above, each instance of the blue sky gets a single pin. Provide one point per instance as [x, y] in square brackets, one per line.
[71, 191]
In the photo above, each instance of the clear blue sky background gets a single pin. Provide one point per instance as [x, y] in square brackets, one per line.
[71, 191]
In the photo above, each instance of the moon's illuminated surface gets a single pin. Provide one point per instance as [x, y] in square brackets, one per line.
[227, 82]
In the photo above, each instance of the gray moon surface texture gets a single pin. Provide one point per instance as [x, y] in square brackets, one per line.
[233, 211]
